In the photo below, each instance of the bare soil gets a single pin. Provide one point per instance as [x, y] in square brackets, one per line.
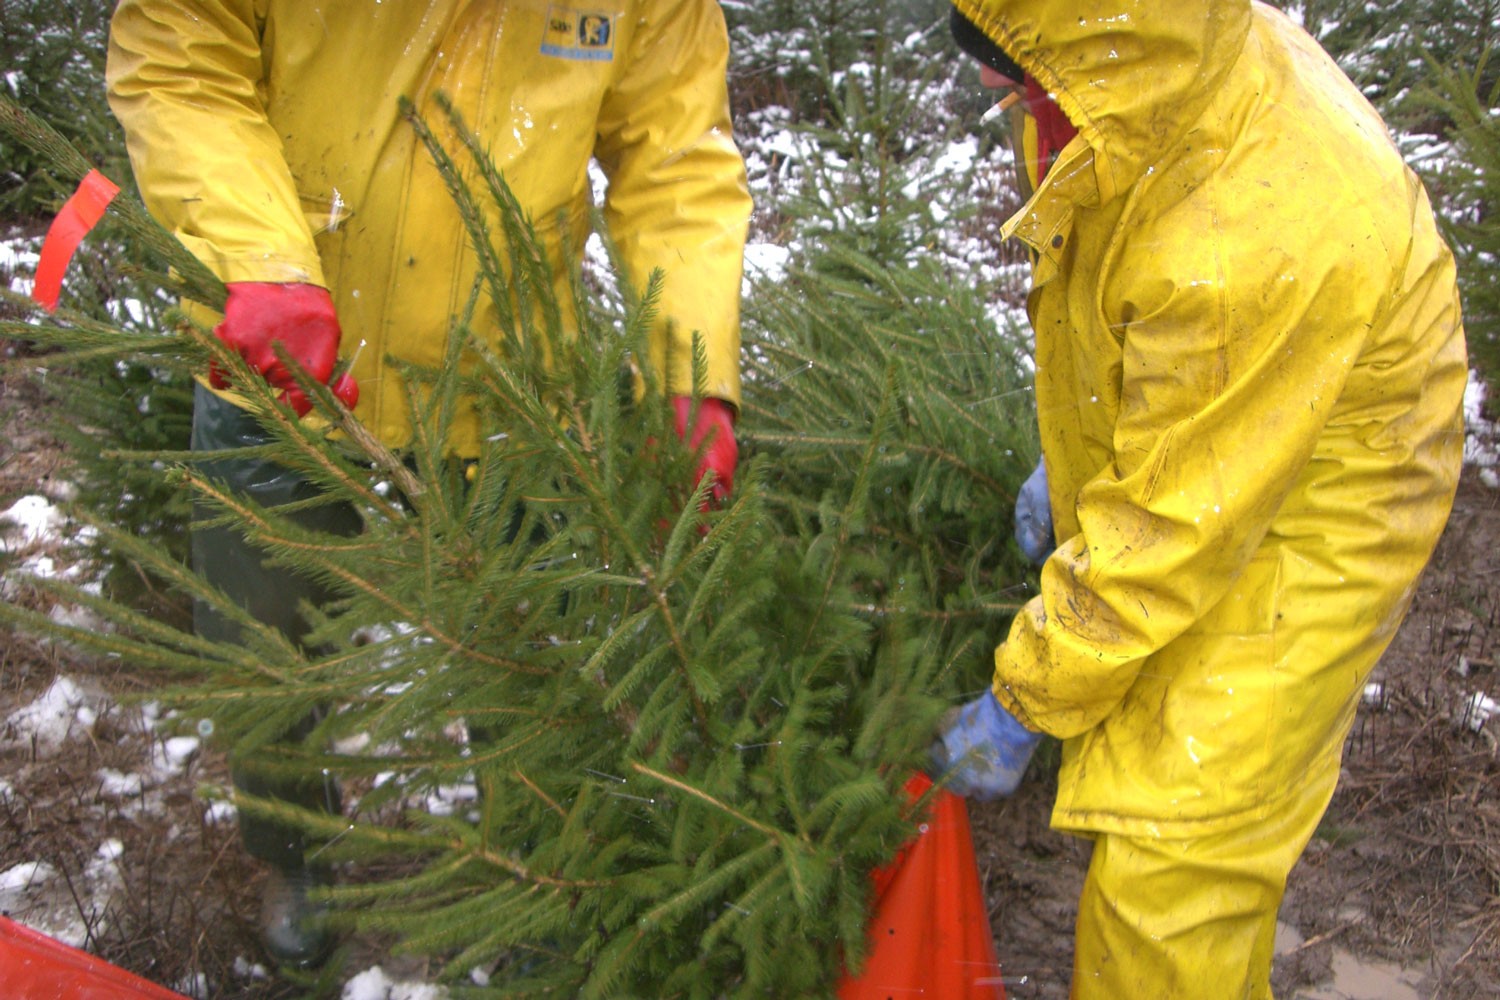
[1398, 896]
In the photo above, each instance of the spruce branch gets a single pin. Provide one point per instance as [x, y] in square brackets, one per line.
[193, 279]
[535, 790]
[698, 793]
[530, 268]
[259, 526]
[308, 440]
[142, 637]
[78, 337]
[475, 220]
[982, 611]
[456, 845]
[580, 464]
[712, 884]
[794, 440]
[104, 643]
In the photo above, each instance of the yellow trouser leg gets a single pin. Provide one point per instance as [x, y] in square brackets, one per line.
[1191, 919]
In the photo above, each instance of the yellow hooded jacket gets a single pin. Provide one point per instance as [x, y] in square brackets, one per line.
[1250, 371]
[266, 134]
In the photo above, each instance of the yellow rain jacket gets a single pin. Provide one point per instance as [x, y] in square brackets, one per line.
[266, 135]
[1250, 370]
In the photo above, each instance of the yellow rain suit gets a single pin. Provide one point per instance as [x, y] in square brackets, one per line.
[266, 135]
[1250, 371]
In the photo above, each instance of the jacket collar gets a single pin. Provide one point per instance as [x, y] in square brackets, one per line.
[1045, 222]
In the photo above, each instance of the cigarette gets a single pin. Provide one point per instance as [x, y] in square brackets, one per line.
[999, 109]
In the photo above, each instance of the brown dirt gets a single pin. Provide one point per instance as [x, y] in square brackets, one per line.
[1400, 891]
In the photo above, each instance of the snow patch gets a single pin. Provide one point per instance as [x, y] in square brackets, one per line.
[1477, 710]
[34, 519]
[1481, 438]
[21, 878]
[50, 720]
[68, 909]
[177, 751]
[374, 984]
[119, 785]
[195, 986]
[246, 969]
[765, 262]
[19, 261]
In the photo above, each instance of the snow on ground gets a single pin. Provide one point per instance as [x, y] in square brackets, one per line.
[51, 719]
[18, 258]
[48, 900]
[1482, 441]
[73, 906]
[374, 984]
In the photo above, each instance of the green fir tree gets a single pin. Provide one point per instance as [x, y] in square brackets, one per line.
[668, 747]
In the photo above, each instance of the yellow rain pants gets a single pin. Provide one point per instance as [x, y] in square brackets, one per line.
[1192, 917]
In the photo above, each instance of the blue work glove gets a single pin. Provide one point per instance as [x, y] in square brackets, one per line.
[981, 750]
[1034, 517]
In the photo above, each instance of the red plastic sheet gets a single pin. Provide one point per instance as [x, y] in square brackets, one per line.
[930, 932]
[34, 966]
[73, 222]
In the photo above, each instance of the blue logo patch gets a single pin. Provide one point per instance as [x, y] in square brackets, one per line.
[578, 34]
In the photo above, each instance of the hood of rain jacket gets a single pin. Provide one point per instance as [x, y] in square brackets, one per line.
[1250, 371]
[267, 135]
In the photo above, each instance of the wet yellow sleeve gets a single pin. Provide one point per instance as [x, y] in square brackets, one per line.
[186, 83]
[678, 200]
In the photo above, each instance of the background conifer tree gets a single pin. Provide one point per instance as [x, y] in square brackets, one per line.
[1469, 182]
[883, 334]
[1389, 49]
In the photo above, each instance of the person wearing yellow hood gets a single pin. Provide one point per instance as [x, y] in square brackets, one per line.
[1250, 368]
[267, 135]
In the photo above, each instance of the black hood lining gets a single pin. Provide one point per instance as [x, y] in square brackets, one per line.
[977, 44]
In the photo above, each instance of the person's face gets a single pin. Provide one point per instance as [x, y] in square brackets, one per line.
[995, 80]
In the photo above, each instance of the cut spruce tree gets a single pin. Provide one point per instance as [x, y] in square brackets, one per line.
[670, 743]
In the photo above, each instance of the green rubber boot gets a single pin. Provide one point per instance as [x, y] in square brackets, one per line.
[293, 924]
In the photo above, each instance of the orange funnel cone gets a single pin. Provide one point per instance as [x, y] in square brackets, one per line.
[34, 966]
[930, 930]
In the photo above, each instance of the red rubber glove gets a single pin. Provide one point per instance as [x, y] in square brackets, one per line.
[715, 425]
[259, 314]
